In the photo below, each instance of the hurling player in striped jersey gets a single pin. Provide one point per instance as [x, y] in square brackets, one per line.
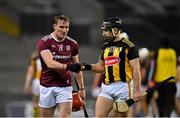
[119, 64]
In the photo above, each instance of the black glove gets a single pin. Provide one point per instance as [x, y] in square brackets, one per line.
[74, 67]
[87, 66]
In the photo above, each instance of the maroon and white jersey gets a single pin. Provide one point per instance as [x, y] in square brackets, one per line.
[62, 52]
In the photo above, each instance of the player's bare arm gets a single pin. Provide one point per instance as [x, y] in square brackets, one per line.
[137, 78]
[29, 76]
[98, 67]
[48, 59]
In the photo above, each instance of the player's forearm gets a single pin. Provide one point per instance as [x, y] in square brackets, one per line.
[28, 84]
[96, 68]
[56, 65]
[137, 80]
[52, 64]
[29, 75]
[28, 80]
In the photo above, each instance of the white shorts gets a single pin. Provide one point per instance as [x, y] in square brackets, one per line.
[35, 87]
[118, 91]
[50, 96]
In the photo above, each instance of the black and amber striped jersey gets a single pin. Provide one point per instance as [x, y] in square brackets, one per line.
[116, 56]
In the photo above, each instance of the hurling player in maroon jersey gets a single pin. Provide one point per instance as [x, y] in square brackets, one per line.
[59, 58]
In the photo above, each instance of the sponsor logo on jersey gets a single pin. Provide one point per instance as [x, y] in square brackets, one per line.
[61, 57]
[109, 61]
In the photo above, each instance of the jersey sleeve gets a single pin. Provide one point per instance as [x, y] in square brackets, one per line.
[133, 53]
[75, 49]
[42, 45]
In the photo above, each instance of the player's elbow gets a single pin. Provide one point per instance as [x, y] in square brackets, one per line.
[50, 65]
[98, 69]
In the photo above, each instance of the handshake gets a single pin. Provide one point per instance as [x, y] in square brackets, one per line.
[78, 67]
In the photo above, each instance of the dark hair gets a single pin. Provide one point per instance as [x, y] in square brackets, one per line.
[60, 17]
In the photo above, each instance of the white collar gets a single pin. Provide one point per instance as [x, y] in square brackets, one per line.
[56, 38]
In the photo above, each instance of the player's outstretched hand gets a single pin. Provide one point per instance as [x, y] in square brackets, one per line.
[74, 67]
[86, 66]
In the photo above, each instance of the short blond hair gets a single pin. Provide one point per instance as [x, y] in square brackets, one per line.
[60, 17]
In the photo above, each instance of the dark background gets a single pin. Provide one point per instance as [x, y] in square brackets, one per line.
[22, 23]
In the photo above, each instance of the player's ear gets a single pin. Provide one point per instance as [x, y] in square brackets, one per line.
[115, 32]
[54, 26]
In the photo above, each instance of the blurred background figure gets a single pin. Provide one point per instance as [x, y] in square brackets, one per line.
[165, 66]
[31, 85]
[176, 111]
[150, 107]
[146, 107]
[144, 60]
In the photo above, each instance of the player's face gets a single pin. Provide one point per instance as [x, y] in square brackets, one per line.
[61, 29]
[107, 34]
